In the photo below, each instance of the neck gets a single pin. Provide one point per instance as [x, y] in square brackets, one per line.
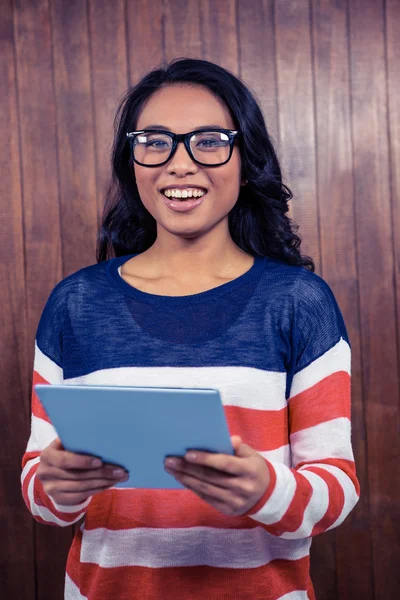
[209, 254]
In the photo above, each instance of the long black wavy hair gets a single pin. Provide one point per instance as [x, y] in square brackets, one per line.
[258, 222]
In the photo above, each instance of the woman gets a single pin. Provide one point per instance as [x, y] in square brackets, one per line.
[207, 288]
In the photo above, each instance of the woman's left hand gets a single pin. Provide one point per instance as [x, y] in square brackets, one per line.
[231, 484]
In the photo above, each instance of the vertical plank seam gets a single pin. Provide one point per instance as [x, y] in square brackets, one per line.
[127, 46]
[277, 95]
[391, 193]
[23, 228]
[163, 28]
[314, 107]
[363, 384]
[21, 173]
[238, 42]
[272, 20]
[94, 119]
[201, 24]
[56, 111]
[50, 5]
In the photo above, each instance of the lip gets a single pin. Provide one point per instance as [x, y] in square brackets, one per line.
[183, 187]
[183, 206]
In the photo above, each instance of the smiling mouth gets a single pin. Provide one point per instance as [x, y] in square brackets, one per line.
[184, 193]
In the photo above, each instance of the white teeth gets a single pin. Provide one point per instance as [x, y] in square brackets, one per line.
[188, 193]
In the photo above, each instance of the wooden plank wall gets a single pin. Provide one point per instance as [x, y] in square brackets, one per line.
[327, 75]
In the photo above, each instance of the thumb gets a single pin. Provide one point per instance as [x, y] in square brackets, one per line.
[242, 450]
[56, 444]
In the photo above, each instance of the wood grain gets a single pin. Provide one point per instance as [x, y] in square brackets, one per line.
[296, 117]
[37, 120]
[327, 74]
[145, 25]
[339, 260]
[16, 523]
[109, 67]
[75, 126]
[183, 29]
[220, 33]
[257, 57]
[393, 74]
[376, 270]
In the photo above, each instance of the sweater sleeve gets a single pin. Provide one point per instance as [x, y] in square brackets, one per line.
[47, 369]
[321, 488]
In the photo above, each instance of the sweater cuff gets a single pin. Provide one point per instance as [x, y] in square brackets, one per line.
[267, 494]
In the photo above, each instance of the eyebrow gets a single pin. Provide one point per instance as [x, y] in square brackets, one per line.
[200, 128]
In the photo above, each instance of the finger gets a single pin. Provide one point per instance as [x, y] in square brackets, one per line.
[199, 486]
[220, 505]
[73, 499]
[244, 451]
[63, 459]
[236, 441]
[107, 472]
[78, 487]
[220, 462]
[217, 478]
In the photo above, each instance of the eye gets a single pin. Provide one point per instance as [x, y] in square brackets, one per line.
[210, 143]
[211, 140]
[153, 142]
[156, 143]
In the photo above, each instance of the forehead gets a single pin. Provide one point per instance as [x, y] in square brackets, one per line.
[184, 108]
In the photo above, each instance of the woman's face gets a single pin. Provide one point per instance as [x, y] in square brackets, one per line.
[181, 109]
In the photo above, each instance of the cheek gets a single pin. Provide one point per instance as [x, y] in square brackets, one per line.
[230, 179]
[146, 181]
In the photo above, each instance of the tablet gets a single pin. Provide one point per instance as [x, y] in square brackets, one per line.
[137, 427]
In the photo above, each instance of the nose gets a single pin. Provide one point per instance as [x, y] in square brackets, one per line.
[181, 163]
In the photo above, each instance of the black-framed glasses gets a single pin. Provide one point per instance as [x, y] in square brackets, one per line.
[155, 147]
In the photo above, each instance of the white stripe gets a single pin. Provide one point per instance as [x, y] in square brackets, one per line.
[297, 595]
[46, 368]
[350, 494]
[331, 439]
[279, 455]
[71, 508]
[336, 359]
[184, 547]
[42, 434]
[28, 466]
[282, 495]
[46, 433]
[315, 509]
[42, 511]
[71, 590]
[239, 386]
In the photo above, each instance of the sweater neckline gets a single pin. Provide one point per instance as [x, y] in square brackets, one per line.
[128, 290]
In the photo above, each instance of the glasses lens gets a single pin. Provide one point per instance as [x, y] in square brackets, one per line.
[152, 148]
[210, 147]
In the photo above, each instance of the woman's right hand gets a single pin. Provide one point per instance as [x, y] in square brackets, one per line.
[71, 478]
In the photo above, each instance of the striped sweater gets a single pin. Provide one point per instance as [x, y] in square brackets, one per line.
[274, 344]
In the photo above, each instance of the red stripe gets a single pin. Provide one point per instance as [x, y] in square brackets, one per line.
[293, 517]
[348, 466]
[269, 582]
[37, 406]
[42, 499]
[336, 500]
[26, 483]
[29, 456]
[268, 493]
[126, 509]
[326, 400]
[263, 430]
